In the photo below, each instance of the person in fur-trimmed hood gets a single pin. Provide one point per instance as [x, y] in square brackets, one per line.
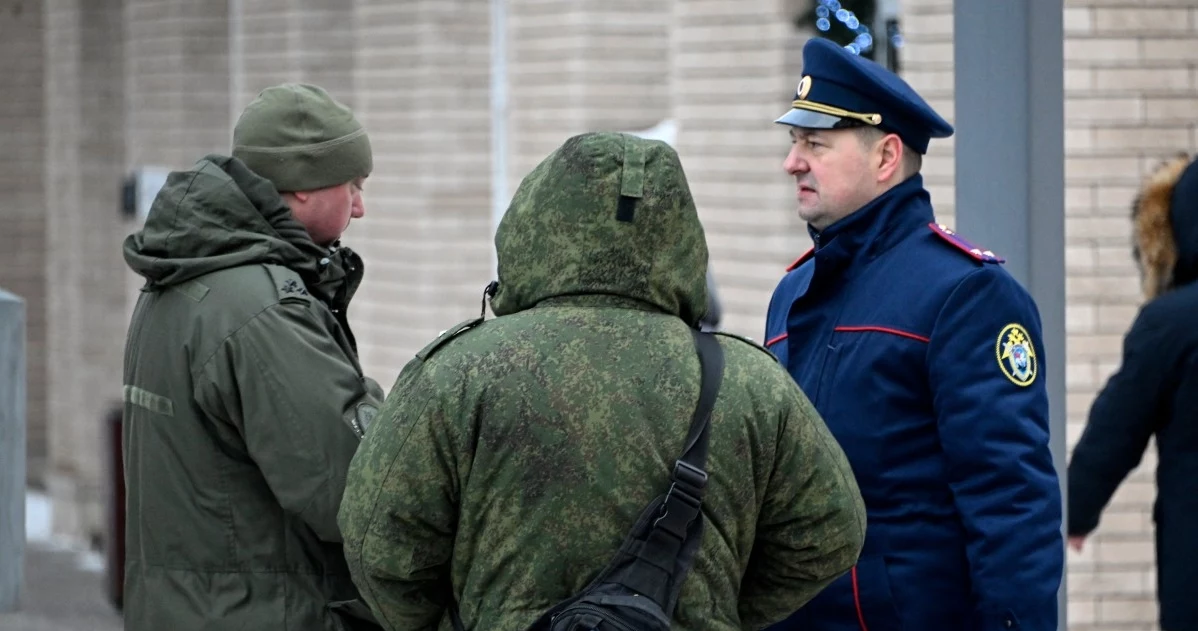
[1154, 392]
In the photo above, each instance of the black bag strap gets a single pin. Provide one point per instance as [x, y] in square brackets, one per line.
[688, 482]
[456, 618]
[662, 561]
[656, 566]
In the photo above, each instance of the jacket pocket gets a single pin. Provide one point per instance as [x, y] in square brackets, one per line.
[827, 376]
[876, 609]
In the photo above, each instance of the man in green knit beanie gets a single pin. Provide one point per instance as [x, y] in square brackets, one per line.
[313, 150]
[244, 396]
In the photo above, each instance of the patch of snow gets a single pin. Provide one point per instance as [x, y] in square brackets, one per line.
[39, 531]
[39, 517]
[89, 561]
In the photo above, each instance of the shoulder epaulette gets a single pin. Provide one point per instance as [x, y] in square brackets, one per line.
[802, 259]
[446, 336]
[288, 283]
[955, 240]
[750, 342]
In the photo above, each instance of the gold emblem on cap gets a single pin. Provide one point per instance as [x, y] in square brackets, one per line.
[801, 103]
[804, 87]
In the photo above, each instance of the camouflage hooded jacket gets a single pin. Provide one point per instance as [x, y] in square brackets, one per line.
[512, 457]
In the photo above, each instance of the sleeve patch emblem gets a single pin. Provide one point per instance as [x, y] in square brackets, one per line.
[1016, 355]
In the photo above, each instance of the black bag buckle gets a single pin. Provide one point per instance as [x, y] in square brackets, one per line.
[689, 482]
[690, 474]
[686, 488]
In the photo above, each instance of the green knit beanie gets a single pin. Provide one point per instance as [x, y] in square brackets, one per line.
[300, 138]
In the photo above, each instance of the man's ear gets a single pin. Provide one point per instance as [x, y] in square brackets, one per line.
[301, 196]
[890, 157]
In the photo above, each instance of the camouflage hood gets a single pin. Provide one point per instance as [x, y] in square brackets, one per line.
[608, 217]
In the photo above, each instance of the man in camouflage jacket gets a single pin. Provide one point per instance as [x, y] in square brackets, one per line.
[513, 455]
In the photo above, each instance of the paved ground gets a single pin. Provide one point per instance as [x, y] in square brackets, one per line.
[64, 591]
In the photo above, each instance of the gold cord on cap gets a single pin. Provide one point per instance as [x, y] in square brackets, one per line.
[869, 119]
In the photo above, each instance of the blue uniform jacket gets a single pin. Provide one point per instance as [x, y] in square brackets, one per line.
[924, 355]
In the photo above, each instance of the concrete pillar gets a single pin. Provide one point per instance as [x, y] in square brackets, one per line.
[12, 449]
[23, 206]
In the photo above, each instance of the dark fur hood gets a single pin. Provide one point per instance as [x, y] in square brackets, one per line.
[1165, 217]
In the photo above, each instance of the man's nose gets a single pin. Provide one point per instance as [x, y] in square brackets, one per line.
[794, 162]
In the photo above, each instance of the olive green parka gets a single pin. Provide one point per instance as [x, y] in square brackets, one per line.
[244, 403]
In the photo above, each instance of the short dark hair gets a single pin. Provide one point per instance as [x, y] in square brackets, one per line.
[912, 159]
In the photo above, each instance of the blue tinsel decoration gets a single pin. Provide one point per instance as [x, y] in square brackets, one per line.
[864, 41]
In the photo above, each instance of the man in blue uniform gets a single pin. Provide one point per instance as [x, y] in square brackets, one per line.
[924, 357]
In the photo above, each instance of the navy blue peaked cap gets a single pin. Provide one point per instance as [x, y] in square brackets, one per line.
[840, 89]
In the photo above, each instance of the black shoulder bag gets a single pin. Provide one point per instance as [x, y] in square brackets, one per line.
[638, 590]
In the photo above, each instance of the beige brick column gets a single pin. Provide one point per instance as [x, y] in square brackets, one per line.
[731, 79]
[422, 89]
[273, 41]
[586, 65]
[23, 207]
[84, 107]
[177, 81]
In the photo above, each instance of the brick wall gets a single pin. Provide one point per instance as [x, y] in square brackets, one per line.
[84, 110]
[733, 74]
[291, 40]
[591, 65]
[422, 90]
[22, 206]
[177, 81]
[418, 75]
[1130, 99]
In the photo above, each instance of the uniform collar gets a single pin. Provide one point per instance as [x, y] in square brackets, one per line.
[878, 225]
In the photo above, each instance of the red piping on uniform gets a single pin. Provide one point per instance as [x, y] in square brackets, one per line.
[777, 339]
[882, 329]
[857, 601]
[799, 261]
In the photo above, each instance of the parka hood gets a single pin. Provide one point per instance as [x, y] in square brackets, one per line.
[215, 216]
[605, 215]
[1165, 215]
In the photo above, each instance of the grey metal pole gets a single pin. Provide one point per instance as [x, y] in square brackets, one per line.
[886, 11]
[1010, 162]
[12, 449]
